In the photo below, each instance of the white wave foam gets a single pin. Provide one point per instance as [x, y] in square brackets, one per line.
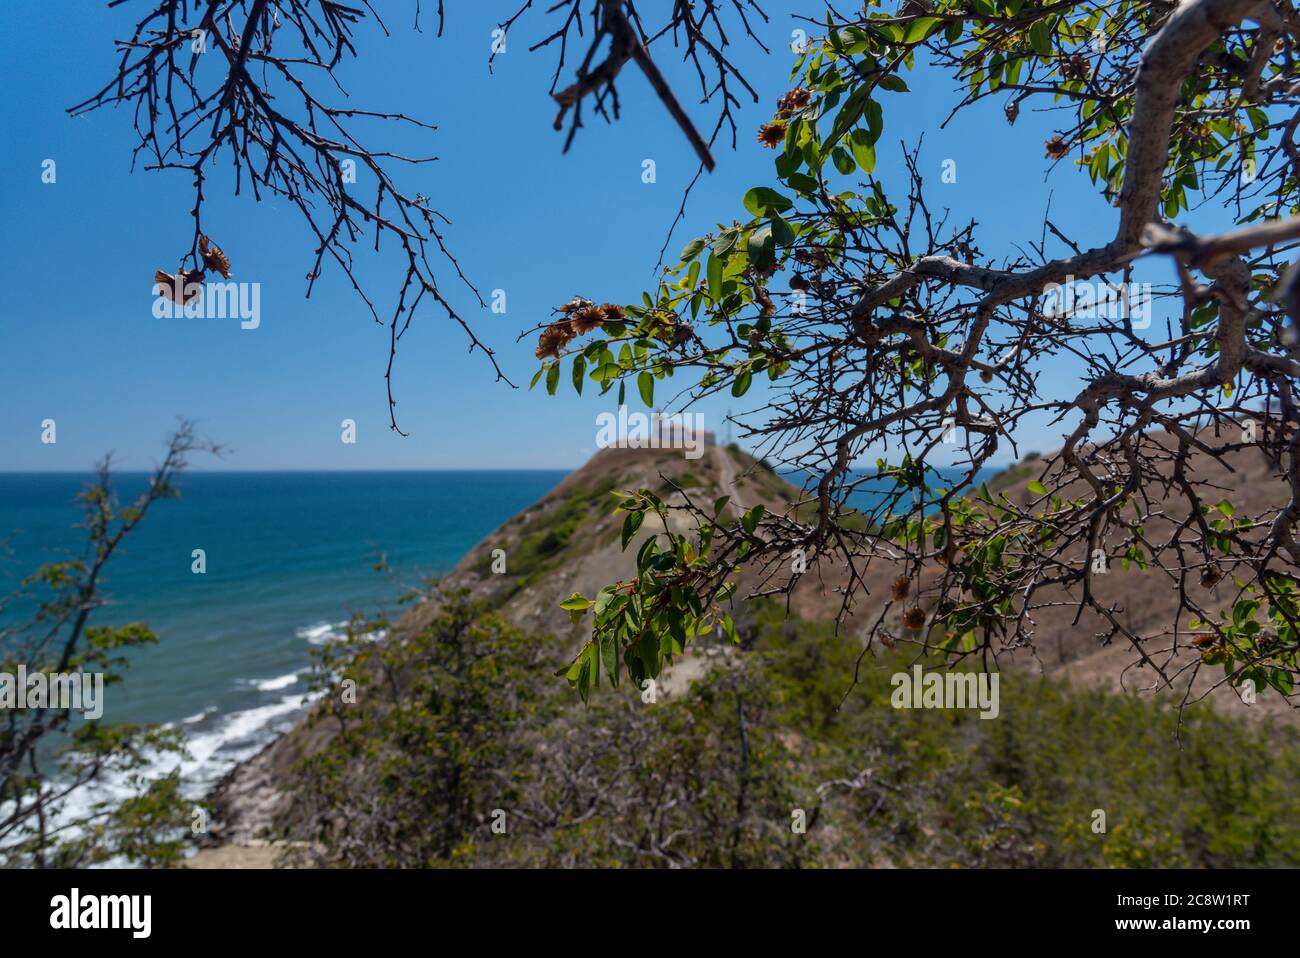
[275, 684]
[212, 752]
[215, 743]
[322, 632]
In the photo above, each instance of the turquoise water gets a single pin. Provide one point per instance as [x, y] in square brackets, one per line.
[290, 556]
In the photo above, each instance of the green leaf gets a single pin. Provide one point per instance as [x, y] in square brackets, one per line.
[584, 676]
[1040, 38]
[864, 150]
[552, 378]
[714, 273]
[576, 603]
[1036, 487]
[850, 112]
[579, 368]
[575, 670]
[762, 200]
[875, 119]
[921, 28]
[692, 250]
[783, 231]
[803, 183]
[645, 384]
[631, 524]
[650, 653]
[1281, 680]
[762, 247]
[741, 385]
[609, 651]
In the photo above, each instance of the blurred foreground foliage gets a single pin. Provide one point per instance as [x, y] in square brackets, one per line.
[452, 729]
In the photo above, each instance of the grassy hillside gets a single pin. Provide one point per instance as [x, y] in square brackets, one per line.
[458, 726]
[757, 764]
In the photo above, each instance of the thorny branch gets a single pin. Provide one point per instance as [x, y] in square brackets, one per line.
[253, 86]
[895, 329]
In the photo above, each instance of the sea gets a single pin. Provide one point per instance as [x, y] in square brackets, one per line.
[290, 557]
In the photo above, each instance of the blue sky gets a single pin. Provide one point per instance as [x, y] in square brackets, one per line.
[82, 347]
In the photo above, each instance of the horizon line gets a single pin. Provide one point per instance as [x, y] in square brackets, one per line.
[393, 469]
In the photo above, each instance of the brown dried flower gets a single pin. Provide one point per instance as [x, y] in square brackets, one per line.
[771, 134]
[213, 258]
[793, 102]
[554, 338]
[585, 320]
[1076, 67]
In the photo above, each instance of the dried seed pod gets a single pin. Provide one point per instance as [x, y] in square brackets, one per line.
[186, 284]
[901, 586]
[213, 258]
[914, 618]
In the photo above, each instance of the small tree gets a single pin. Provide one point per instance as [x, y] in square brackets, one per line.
[422, 740]
[48, 755]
